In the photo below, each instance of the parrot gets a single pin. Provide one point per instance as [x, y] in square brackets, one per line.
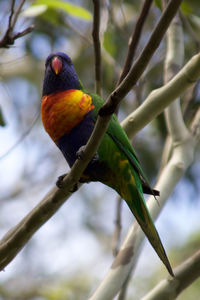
[69, 113]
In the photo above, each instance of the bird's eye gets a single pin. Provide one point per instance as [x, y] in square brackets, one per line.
[68, 61]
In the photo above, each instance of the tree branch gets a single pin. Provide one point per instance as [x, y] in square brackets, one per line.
[185, 275]
[97, 45]
[134, 39]
[10, 37]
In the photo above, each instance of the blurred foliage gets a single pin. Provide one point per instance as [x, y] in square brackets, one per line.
[34, 165]
[42, 6]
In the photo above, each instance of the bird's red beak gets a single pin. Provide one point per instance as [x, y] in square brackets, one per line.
[56, 65]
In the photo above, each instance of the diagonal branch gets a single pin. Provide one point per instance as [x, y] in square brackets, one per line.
[134, 39]
[97, 45]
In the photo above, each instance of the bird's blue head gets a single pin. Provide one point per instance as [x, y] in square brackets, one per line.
[60, 74]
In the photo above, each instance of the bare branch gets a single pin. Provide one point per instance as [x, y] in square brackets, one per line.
[134, 39]
[12, 8]
[97, 45]
[185, 275]
[16, 14]
[9, 36]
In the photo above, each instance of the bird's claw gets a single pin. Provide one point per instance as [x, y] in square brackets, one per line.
[75, 188]
[80, 154]
[59, 183]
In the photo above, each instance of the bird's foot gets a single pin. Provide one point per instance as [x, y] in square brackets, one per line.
[80, 154]
[59, 183]
[75, 188]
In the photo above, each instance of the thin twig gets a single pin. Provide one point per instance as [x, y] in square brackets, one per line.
[16, 13]
[10, 37]
[12, 8]
[134, 39]
[97, 45]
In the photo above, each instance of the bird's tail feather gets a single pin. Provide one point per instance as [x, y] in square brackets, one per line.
[144, 219]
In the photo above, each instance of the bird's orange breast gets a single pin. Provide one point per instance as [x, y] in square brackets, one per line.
[62, 111]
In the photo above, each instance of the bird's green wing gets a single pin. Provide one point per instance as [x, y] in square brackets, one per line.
[118, 135]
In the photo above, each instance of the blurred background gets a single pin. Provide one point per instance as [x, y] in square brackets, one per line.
[70, 254]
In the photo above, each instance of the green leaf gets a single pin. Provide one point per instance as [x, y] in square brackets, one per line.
[34, 10]
[53, 16]
[69, 8]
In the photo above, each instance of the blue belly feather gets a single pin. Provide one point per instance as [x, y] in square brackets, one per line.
[70, 143]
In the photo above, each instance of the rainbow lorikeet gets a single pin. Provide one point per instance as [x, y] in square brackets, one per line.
[69, 114]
